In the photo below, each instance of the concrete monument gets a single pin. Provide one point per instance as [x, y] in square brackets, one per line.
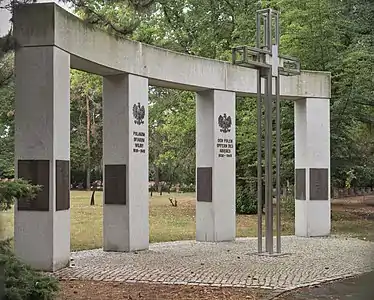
[51, 41]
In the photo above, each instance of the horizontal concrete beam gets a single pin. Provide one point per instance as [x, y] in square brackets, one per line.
[95, 51]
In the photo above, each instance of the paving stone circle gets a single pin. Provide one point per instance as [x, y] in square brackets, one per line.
[306, 261]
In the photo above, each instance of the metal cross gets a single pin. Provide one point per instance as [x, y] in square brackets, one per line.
[269, 63]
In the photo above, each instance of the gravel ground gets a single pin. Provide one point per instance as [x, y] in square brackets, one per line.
[306, 261]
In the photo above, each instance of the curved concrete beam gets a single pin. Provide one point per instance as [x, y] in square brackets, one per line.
[94, 51]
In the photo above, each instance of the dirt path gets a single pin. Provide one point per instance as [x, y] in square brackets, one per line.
[119, 291]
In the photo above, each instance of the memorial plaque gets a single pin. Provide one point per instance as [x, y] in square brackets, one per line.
[204, 184]
[62, 185]
[139, 141]
[225, 147]
[319, 181]
[115, 184]
[37, 173]
[300, 184]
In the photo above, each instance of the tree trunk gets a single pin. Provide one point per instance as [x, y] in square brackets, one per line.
[93, 196]
[88, 166]
[157, 180]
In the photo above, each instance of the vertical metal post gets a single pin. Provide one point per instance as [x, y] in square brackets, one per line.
[259, 163]
[268, 142]
[259, 146]
[266, 175]
[269, 171]
[269, 19]
[266, 31]
[277, 120]
[258, 31]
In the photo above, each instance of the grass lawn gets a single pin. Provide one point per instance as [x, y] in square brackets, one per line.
[168, 223]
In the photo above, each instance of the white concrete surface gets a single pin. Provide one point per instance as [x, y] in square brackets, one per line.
[42, 239]
[95, 51]
[5, 16]
[215, 221]
[125, 227]
[312, 150]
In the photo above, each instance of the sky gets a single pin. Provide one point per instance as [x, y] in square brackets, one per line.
[5, 15]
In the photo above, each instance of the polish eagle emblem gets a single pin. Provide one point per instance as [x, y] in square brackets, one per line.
[138, 113]
[225, 123]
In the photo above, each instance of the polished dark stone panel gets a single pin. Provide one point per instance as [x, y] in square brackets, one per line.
[204, 184]
[115, 184]
[319, 184]
[62, 185]
[300, 181]
[37, 173]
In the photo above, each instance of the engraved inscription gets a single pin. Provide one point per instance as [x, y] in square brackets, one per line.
[318, 184]
[225, 147]
[138, 141]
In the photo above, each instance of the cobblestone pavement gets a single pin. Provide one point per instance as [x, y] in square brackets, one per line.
[305, 261]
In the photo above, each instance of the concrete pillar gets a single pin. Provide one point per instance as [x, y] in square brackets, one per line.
[5, 17]
[42, 156]
[312, 163]
[125, 158]
[215, 162]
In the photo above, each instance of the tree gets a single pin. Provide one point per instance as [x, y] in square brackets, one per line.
[6, 116]
[21, 282]
[86, 125]
[329, 35]
[172, 136]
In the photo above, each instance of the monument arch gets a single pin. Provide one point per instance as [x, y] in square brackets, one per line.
[51, 41]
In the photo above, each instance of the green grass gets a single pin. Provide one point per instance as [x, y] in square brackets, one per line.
[353, 221]
[168, 223]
